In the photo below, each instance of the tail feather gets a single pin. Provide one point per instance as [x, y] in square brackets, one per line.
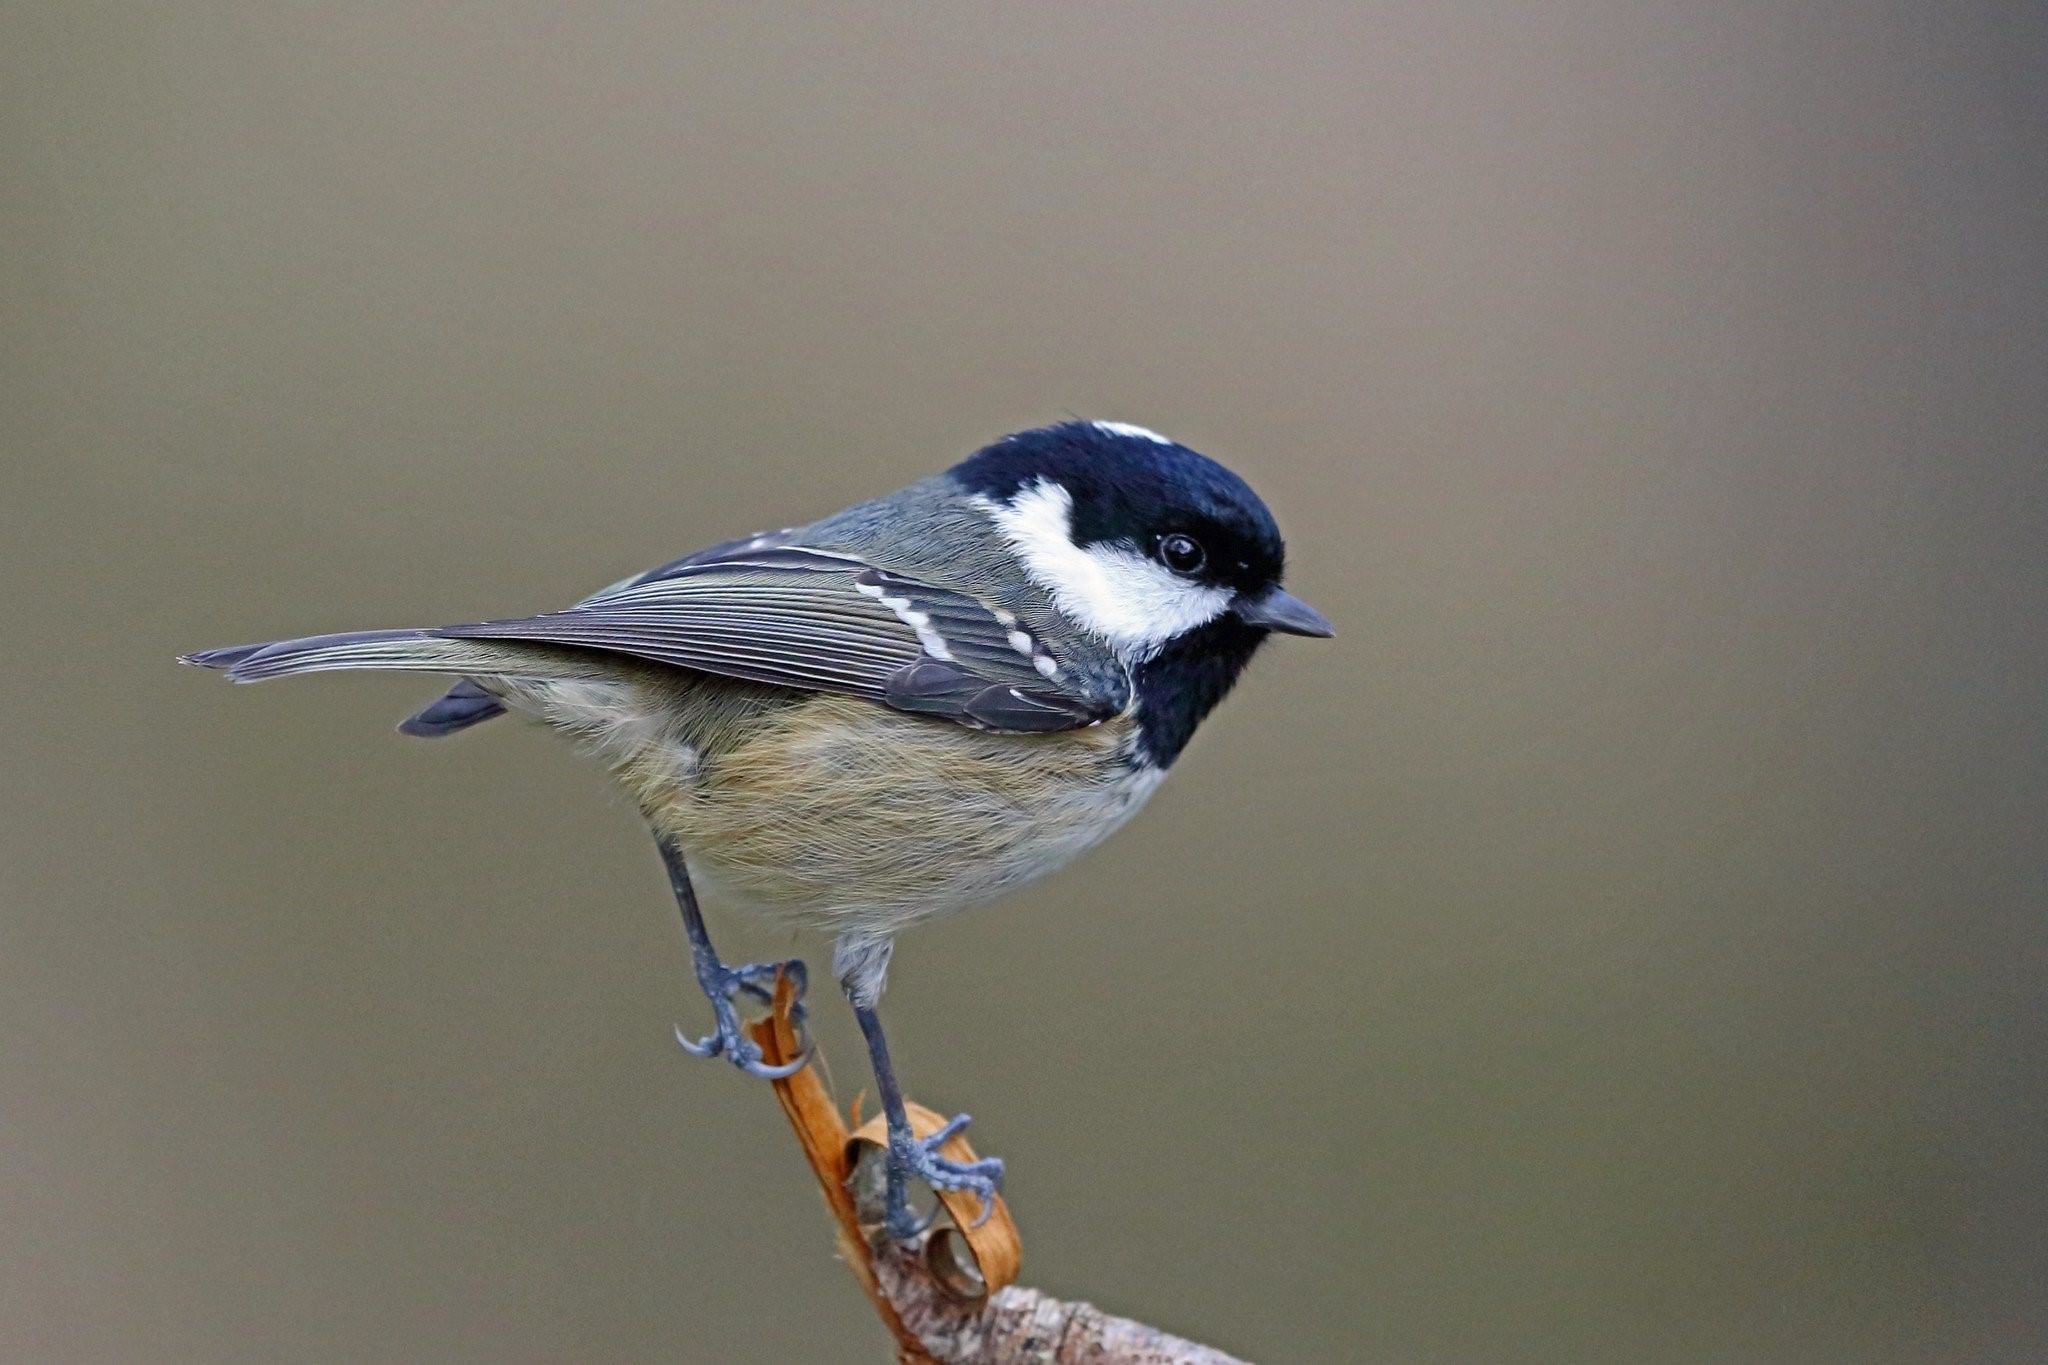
[405, 649]
[221, 658]
[416, 651]
[463, 705]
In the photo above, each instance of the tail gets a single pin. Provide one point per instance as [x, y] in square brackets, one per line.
[462, 706]
[415, 651]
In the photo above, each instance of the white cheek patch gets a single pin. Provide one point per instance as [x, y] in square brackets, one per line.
[1133, 602]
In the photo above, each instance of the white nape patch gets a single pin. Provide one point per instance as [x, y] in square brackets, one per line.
[1131, 429]
[1131, 601]
[933, 642]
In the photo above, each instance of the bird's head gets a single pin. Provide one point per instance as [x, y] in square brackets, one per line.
[1136, 538]
[1160, 552]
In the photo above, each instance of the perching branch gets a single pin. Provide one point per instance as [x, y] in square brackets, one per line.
[948, 1299]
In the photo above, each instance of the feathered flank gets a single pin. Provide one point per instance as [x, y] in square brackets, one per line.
[848, 816]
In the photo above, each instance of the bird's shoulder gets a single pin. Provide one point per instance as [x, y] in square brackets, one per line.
[956, 547]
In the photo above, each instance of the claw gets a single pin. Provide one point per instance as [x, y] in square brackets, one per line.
[726, 1040]
[710, 1045]
[920, 1157]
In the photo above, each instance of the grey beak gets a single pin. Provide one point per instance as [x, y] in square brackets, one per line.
[1282, 611]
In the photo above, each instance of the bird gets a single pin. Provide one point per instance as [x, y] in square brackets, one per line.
[908, 708]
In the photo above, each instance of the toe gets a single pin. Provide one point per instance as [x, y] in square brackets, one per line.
[955, 1125]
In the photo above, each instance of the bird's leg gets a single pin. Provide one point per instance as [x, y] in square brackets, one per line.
[721, 983]
[861, 965]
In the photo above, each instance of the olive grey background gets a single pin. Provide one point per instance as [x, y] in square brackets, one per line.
[1623, 943]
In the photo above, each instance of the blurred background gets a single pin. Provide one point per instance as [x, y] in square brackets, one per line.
[1623, 943]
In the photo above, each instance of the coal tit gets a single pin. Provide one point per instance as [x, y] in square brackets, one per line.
[902, 710]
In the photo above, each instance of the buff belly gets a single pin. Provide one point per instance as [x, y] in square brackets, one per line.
[840, 814]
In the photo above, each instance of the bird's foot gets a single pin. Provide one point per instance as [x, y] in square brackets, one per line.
[755, 979]
[919, 1157]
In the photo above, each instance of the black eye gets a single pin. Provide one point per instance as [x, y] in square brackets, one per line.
[1182, 554]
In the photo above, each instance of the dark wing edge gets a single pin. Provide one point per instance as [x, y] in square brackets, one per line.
[933, 687]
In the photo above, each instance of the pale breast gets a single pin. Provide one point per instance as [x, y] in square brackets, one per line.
[845, 815]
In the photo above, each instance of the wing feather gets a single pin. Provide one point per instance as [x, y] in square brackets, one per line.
[764, 610]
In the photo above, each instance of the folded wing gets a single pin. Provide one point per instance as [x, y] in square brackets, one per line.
[821, 621]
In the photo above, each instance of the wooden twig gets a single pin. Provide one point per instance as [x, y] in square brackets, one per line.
[947, 1299]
